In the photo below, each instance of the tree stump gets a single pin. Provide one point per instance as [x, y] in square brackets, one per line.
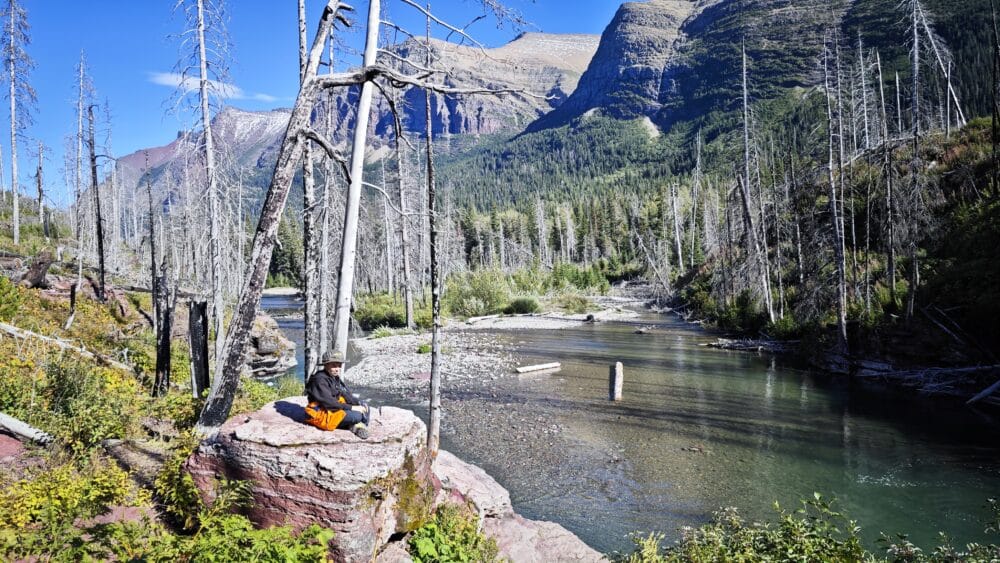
[615, 382]
[35, 276]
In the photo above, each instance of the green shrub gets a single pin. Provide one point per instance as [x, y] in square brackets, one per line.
[252, 395]
[453, 535]
[225, 537]
[57, 496]
[522, 306]
[218, 536]
[573, 303]
[174, 486]
[745, 315]
[10, 299]
[424, 348]
[179, 407]
[382, 332]
[89, 404]
[814, 533]
[379, 310]
[784, 328]
[382, 310]
[475, 294]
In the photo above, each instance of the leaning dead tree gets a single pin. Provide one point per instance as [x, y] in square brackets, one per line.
[226, 381]
[298, 133]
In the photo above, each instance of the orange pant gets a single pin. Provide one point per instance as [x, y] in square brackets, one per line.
[322, 418]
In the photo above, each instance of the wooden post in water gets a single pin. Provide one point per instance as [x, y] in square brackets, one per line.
[615, 381]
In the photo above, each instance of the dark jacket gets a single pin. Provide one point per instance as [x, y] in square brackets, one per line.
[325, 390]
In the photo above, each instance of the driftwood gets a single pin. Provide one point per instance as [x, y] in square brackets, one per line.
[23, 430]
[62, 345]
[984, 393]
[774, 346]
[934, 380]
[539, 367]
[473, 320]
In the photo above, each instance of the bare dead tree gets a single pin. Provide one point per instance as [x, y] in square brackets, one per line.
[205, 63]
[310, 217]
[96, 190]
[20, 93]
[754, 247]
[837, 233]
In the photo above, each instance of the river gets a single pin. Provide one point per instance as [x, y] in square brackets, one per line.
[701, 429]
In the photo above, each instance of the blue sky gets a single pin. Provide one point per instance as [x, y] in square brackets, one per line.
[131, 47]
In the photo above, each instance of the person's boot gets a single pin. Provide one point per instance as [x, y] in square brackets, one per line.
[360, 430]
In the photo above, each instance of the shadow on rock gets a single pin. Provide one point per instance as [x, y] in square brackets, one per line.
[291, 410]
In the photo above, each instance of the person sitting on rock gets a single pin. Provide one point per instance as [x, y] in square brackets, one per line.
[331, 403]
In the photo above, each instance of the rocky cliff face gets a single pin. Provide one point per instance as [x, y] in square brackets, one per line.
[625, 75]
[678, 61]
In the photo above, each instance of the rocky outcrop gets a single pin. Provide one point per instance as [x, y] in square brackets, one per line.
[370, 492]
[518, 538]
[623, 79]
[271, 353]
[364, 490]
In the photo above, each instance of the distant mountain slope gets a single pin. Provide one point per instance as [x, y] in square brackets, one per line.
[675, 61]
[624, 77]
[546, 66]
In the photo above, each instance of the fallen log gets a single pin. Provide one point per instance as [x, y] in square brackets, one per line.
[472, 320]
[539, 367]
[775, 346]
[62, 345]
[23, 430]
[984, 393]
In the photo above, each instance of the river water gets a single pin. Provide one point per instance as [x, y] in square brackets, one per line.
[701, 429]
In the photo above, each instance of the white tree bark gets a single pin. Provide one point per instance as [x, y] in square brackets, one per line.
[309, 220]
[837, 233]
[214, 219]
[349, 241]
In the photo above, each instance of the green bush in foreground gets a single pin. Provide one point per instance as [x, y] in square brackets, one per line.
[453, 535]
[815, 532]
[573, 303]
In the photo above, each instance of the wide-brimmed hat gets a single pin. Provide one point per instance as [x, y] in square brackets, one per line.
[332, 357]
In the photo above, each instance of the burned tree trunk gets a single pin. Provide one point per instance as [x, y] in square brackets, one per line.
[164, 308]
[838, 241]
[97, 204]
[198, 341]
[434, 427]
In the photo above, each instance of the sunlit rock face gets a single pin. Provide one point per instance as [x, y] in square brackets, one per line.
[369, 492]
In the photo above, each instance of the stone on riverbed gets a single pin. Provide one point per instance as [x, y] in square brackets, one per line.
[364, 490]
[518, 538]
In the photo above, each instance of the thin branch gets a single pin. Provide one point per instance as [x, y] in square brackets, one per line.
[388, 200]
[330, 150]
[397, 121]
[447, 26]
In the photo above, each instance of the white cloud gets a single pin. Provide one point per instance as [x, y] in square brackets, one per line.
[190, 84]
